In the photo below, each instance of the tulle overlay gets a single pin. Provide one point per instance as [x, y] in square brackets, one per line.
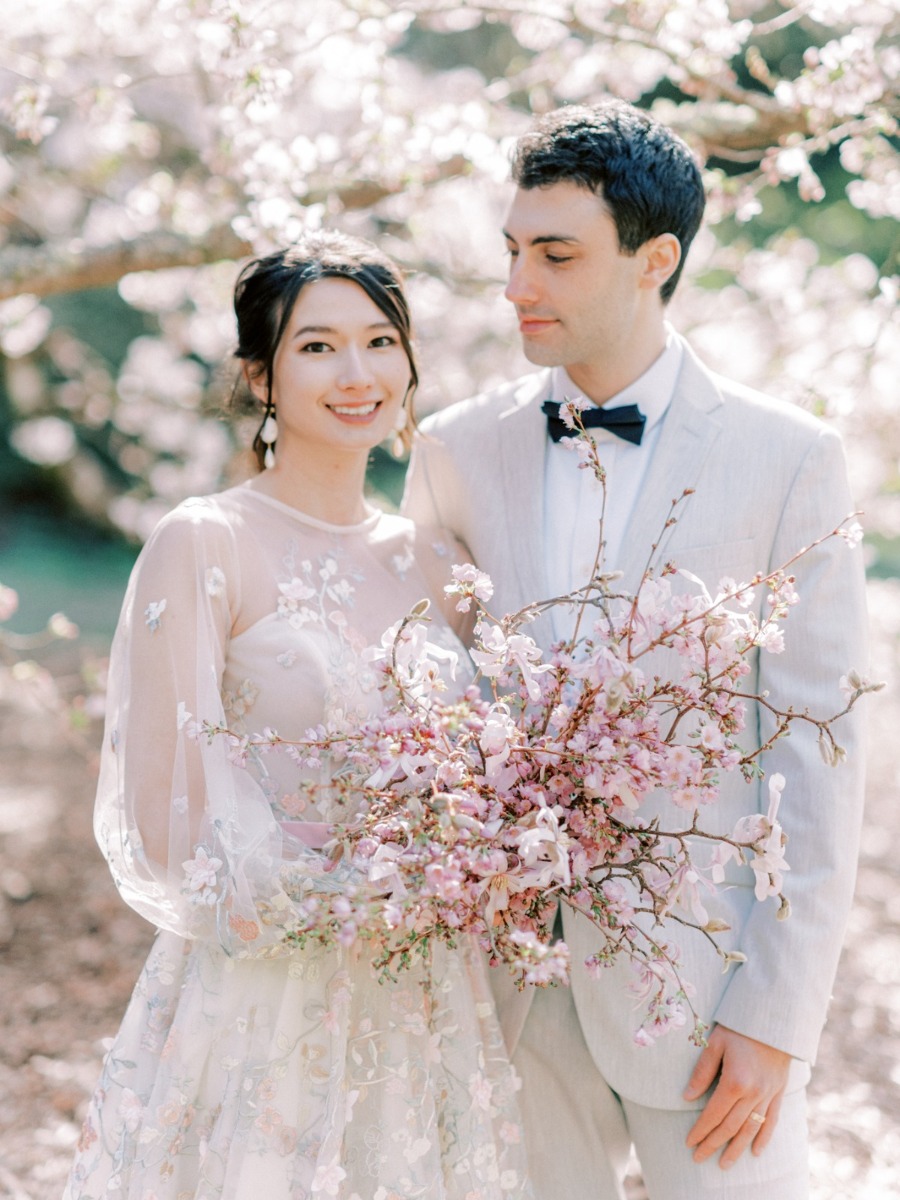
[300, 1076]
[243, 1067]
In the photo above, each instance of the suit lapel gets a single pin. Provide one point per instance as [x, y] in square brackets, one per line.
[689, 432]
[523, 443]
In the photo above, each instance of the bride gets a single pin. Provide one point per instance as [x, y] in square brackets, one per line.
[246, 1068]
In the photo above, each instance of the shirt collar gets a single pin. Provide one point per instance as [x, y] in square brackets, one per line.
[652, 392]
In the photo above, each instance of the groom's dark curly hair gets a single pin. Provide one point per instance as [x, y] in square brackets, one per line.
[644, 172]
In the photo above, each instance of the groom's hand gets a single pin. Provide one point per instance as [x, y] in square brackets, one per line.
[751, 1080]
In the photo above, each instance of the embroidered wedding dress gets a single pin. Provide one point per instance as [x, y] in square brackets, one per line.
[244, 1069]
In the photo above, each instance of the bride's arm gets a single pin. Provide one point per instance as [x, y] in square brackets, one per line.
[190, 836]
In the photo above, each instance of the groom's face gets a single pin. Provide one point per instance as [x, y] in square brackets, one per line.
[576, 294]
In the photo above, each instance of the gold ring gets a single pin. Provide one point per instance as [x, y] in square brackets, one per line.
[757, 1117]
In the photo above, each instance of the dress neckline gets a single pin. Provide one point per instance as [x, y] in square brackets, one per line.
[363, 526]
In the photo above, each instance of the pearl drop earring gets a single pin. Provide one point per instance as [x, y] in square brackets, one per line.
[268, 435]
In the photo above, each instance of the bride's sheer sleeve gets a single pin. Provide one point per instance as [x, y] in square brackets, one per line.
[189, 835]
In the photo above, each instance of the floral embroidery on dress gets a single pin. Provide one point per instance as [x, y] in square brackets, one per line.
[201, 876]
[294, 804]
[403, 563]
[343, 592]
[215, 581]
[291, 603]
[243, 1066]
[239, 702]
[320, 596]
[153, 614]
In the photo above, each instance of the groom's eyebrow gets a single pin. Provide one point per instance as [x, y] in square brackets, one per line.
[546, 238]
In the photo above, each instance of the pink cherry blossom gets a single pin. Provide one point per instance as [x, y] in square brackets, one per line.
[469, 583]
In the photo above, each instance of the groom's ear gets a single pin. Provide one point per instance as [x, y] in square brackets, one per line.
[661, 257]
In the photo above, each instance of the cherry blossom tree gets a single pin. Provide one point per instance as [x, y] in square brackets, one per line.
[150, 145]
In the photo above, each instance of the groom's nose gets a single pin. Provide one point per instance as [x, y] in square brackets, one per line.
[521, 288]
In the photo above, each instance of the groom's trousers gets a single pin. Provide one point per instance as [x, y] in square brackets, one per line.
[579, 1132]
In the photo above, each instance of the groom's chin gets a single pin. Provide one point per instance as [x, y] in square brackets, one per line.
[541, 356]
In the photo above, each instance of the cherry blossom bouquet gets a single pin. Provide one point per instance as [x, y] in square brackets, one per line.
[480, 813]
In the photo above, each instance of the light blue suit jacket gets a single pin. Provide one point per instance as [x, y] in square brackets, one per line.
[768, 479]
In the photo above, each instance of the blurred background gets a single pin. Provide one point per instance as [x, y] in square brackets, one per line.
[147, 147]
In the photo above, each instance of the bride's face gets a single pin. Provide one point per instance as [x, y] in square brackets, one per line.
[340, 371]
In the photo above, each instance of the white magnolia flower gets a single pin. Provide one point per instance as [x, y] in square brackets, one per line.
[545, 851]
[768, 842]
[418, 661]
[498, 652]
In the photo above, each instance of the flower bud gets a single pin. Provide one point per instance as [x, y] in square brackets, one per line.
[716, 926]
[827, 749]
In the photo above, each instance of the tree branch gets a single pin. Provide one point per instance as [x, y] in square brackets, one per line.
[53, 269]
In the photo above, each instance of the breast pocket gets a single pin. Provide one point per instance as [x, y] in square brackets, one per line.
[738, 560]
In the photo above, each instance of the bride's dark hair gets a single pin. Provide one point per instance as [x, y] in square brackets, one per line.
[267, 290]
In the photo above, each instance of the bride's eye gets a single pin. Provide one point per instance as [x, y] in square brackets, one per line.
[386, 339]
[315, 348]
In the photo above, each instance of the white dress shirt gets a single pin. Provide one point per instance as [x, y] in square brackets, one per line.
[573, 498]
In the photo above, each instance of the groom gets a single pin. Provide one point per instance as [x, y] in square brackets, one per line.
[607, 202]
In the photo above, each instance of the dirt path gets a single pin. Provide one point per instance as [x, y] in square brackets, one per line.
[70, 951]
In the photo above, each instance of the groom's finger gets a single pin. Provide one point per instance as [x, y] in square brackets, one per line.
[753, 1133]
[706, 1070]
[751, 1076]
[764, 1136]
[723, 1121]
[720, 1120]
[744, 1135]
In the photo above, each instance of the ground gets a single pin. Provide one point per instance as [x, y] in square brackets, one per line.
[70, 951]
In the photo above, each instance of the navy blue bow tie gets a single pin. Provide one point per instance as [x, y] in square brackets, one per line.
[626, 422]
